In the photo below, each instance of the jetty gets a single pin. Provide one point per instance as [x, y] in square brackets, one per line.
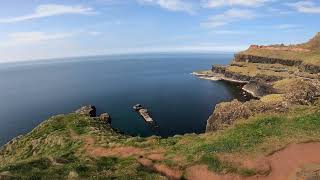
[143, 112]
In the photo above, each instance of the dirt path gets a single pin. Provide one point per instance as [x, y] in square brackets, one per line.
[284, 164]
[153, 157]
[163, 169]
[94, 150]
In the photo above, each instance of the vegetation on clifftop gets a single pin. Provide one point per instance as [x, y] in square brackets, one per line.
[58, 148]
[311, 57]
[77, 146]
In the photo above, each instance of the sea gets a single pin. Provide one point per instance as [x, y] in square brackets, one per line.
[179, 102]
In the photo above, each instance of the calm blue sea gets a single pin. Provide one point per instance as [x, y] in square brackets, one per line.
[180, 103]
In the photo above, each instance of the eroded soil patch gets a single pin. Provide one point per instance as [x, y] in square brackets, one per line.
[284, 164]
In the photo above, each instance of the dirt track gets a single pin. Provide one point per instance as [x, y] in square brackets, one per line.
[284, 164]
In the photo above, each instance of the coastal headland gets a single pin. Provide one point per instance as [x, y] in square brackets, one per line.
[243, 140]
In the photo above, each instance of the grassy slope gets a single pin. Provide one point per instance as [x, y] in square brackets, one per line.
[254, 69]
[51, 152]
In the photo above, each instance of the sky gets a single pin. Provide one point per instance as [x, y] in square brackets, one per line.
[41, 29]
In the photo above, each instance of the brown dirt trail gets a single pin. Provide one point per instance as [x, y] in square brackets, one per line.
[284, 164]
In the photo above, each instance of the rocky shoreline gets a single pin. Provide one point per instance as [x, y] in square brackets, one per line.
[280, 84]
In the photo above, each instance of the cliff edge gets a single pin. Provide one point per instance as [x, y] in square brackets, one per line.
[244, 140]
[281, 76]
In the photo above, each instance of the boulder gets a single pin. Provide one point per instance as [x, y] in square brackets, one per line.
[87, 110]
[105, 117]
[226, 113]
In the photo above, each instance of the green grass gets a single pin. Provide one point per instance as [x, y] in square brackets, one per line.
[259, 135]
[80, 126]
[272, 98]
[253, 70]
[245, 136]
[216, 165]
[256, 136]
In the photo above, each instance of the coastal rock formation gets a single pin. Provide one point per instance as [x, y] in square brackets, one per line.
[105, 117]
[266, 60]
[259, 88]
[304, 92]
[228, 73]
[282, 76]
[227, 113]
[87, 110]
[259, 107]
[314, 69]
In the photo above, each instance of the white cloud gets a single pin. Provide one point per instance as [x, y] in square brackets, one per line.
[305, 7]
[219, 3]
[27, 38]
[49, 10]
[172, 5]
[228, 17]
[286, 26]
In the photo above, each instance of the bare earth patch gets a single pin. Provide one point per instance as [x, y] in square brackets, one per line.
[93, 150]
[156, 157]
[97, 151]
[284, 164]
[168, 172]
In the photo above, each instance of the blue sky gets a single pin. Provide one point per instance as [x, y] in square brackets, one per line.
[37, 29]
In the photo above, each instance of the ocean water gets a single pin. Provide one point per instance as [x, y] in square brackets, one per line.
[178, 101]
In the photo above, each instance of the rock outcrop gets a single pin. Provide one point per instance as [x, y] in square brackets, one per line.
[282, 76]
[304, 92]
[258, 88]
[223, 73]
[226, 113]
[105, 117]
[266, 60]
[310, 68]
[87, 110]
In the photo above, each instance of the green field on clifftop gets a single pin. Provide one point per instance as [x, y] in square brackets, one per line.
[312, 57]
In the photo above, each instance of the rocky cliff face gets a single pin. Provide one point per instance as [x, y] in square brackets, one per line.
[264, 69]
[310, 68]
[226, 114]
[266, 60]
[259, 88]
[227, 74]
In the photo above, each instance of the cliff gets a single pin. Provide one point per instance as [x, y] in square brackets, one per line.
[305, 56]
[251, 139]
[78, 146]
[261, 69]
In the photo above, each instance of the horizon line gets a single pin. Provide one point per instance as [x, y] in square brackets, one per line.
[63, 58]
